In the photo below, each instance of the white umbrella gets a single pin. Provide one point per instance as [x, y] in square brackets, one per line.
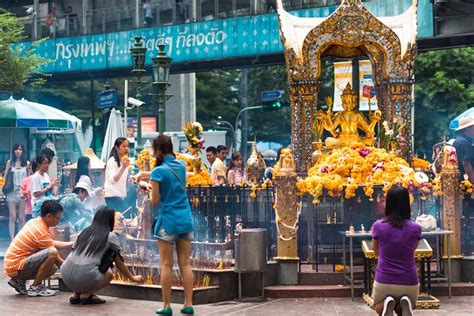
[115, 129]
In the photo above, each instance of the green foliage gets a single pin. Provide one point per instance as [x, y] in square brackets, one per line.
[274, 126]
[19, 66]
[217, 94]
[444, 89]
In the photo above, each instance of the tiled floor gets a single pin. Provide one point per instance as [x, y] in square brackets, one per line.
[13, 304]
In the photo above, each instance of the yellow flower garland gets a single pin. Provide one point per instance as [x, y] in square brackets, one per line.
[348, 168]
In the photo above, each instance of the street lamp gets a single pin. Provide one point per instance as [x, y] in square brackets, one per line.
[221, 123]
[138, 52]
[161, 77]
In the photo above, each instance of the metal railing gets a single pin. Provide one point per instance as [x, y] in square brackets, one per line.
[161, 12]
[218, 209]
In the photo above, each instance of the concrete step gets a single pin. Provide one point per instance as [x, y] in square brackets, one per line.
[311, 291]
[325, 278]
[315, 291]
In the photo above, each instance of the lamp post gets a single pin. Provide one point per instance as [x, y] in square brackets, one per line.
[138, 52]
[161, 77]
[220, 123]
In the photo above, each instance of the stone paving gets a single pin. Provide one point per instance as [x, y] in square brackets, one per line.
[14, 304]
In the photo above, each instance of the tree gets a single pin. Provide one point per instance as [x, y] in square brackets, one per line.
[19, 65]
[274, 126]
[217, 94]
[444, 89]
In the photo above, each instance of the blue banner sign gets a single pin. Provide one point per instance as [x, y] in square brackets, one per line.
[268, 96]
[200, 41]
[106, 99]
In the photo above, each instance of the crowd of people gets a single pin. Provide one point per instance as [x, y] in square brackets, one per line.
[234, 174]
[34, 255]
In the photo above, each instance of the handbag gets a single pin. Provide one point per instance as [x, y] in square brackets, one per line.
[8, 187]
[107, 261]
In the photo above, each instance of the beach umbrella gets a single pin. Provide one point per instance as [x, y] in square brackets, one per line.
[455, 122]
[115, 129]
[40, 117]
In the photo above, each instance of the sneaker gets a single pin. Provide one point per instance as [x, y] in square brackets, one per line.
[40, 290]
[388, 306]
[405, 304]
[19, 286]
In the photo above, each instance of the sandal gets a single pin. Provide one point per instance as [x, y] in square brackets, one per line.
[187, 310]
[74, 300]
[92, 300]
[164, 311]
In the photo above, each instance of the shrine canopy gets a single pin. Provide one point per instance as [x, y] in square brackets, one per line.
[352, 31]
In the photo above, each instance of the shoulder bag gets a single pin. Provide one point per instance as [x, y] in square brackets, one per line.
[8, 186]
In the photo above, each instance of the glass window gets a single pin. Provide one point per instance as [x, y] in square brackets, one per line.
[183, 11]
[164, 12]
[242, 7]
[207, 9]
[225, 9]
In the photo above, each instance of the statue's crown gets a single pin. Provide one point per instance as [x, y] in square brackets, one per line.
[348, 90]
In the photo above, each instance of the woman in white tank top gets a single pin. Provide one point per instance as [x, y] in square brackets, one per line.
[20, 167]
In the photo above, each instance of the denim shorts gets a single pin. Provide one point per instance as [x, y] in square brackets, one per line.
[173, 238]
[14, 196]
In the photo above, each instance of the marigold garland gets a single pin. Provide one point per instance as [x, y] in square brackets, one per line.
[194, 177]
[466, 185]
[346, 169]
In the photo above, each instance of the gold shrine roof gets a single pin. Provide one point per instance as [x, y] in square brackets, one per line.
[295, 29]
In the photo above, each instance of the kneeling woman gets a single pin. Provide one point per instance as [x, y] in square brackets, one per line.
[87, 270]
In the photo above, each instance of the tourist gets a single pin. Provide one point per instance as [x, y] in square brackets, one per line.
[25, 192]
[41, 184]
[465, 155]
[211, 154]
[87, 269]
[235, 174]
[174, 224]
[219, 170]
[116, 175]
[91, 198]
[52, 22]
[83, 168]
[18, 168]
[394, 240]
[148, 8]
[33, 254]
[53, 163]
[72, 22]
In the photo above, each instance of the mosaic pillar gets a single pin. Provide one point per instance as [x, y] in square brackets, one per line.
[303, 97]
[286, 207]
[451, 214]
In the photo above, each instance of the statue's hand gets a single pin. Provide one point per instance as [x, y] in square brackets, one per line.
[376, 116]
[320, 115]
[329, 101]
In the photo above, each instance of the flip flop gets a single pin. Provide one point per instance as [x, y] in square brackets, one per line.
[92, 300]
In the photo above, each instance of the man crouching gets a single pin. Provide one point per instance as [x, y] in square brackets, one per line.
[33, 254]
